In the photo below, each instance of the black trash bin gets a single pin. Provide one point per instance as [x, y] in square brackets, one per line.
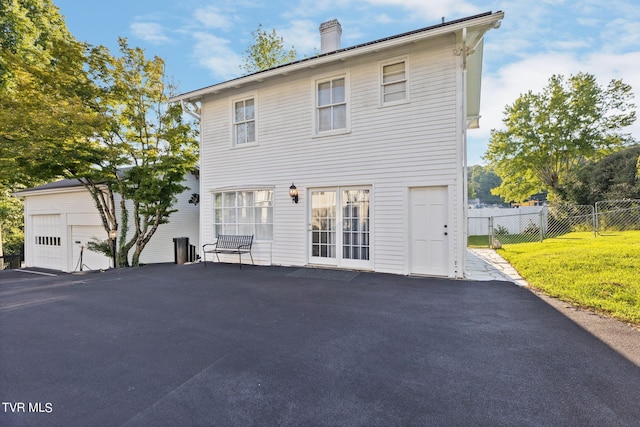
[180, 250]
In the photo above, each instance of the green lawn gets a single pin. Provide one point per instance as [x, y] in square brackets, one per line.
[478, 241]
[600, 273]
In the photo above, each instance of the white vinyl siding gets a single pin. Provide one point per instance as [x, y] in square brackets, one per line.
[75, 208]
[389, 150]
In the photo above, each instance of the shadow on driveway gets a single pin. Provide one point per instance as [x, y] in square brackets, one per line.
[168, 345]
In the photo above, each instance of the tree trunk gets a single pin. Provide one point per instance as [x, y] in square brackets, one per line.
[1, 253]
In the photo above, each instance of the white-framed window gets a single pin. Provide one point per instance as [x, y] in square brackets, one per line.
[244, 121]
[244, 212]
[332, 109]
[394, 84]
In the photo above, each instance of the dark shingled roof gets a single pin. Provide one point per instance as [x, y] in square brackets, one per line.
[397, 36]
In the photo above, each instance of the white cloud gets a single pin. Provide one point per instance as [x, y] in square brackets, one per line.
[383, 18]
[506, 84]
[432, 10]
[303, 35]
[558, 44]
[621, 34]
[216, 54]
[213, 17]
[151, 32]
[307, 8]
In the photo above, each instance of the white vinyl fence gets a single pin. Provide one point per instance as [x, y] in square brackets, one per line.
[535, 223]
[509, 220]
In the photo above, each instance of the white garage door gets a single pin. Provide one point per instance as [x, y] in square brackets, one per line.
[84, 259]
[47, 244]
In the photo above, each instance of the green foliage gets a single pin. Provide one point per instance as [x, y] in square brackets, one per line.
[532, 229]
[598, 273]
[11, 222]
[266, 52]
[478, 241]
[501, 230]
[549, 135]
[100, 246]
[614, 177]
[145, 152]
[45, 94]
[481, 180]
[67, 111]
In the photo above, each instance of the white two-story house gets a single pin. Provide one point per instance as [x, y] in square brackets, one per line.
[354, 158]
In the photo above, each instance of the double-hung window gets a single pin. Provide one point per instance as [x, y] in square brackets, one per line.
[244, 212]
[393, 82]
[244, 122]
[331, 105]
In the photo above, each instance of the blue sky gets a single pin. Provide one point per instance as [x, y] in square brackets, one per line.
[203, 41]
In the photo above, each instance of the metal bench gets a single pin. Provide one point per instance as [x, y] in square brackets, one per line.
[229, 244]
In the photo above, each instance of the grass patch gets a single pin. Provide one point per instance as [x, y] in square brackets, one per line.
[478, 241]
[600, 273]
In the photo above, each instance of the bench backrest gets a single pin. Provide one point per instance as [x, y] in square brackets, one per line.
[229, 241]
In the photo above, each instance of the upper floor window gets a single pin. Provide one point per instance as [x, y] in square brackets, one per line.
[331, 104]
[393, 87]
[244, 121]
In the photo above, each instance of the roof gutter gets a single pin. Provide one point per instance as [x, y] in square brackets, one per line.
[488, 20]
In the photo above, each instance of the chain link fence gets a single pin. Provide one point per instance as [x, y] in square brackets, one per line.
[617, 215]
[496, 227]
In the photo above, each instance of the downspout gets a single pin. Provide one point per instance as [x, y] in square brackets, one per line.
[461, 199]
[197, 116]
[187, 110]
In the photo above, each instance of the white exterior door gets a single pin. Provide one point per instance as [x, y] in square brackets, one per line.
[84, 259]
[429, 229]
[340, 227]
[47, 241]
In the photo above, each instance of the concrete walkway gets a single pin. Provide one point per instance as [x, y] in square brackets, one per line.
[486, 264]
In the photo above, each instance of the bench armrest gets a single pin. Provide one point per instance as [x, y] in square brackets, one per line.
[209, 244]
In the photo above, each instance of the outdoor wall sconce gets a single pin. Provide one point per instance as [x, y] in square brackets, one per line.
[113, 235]
[293, 192]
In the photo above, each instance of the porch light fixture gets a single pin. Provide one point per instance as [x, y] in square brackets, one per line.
[113, 235]
[293, 192]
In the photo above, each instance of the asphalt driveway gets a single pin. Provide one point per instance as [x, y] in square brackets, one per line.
[168, 345]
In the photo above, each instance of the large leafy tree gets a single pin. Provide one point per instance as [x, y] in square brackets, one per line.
[481, 180]
[45, 93]
[11, 223]
[142, 157]
[267, 51]
[68, 111]
[549, 135]
[614, 177]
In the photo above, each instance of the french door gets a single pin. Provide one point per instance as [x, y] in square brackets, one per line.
[340, 227]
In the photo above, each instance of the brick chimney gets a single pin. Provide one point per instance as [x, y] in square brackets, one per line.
[330, 33]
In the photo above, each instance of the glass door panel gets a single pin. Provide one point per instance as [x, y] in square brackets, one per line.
[355, 224]
[323, 226]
